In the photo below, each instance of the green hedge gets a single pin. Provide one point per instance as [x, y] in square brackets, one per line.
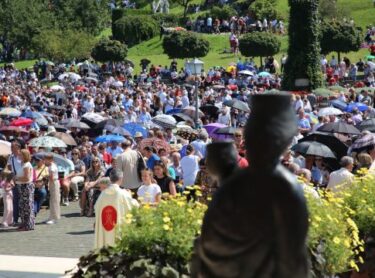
[135, 29]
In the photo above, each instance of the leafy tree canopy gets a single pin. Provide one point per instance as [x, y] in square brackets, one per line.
[185, 45]
[259, 44]
[109, 50]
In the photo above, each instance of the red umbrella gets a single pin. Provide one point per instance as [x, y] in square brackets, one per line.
[21, 122]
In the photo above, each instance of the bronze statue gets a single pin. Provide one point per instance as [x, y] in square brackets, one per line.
[256, 224]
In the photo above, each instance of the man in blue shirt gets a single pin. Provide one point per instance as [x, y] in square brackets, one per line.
[151, 157]
[303, 123]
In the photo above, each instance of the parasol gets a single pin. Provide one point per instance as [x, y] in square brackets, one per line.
[155, 143]
[313, 148]
[165, 121]
[47, 142]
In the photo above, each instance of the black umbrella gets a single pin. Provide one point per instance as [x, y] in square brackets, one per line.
[331, 141]
[118, 130]
[211, 110]
[108, 124]
[127, 61]
[237, 104]
[313, 148]
[367, 125]
[228, 130]
[180, 117]
[339, 127]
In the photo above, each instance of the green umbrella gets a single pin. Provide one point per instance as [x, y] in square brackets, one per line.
[369, 57]
[337, 88]
[369, 89]
[323, 92]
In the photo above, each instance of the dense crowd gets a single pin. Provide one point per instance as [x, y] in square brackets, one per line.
[99, 125]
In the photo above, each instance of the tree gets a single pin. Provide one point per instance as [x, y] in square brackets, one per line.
[62, 46]
[302, 68]
[135, 29]
[339, 37]
[109, 50]
[264, 9]
[259, 44]
[185, 45]
[185, 4]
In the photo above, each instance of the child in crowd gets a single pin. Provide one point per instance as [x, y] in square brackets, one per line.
[149, 192]
[7, 185]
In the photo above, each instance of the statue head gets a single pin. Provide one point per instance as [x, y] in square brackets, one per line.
[270, 129]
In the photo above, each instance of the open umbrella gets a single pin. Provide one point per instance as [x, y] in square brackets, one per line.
[57, 88]
[63, 164]
[339, 127]
[210, 128]
[21, 122]
[364, 141]
[5, 148]
[246, 72]
[327, 111]
[237, 104]
[127, 61]
[368, 89]
[165, 121]
[93, 117]
[77, 124]
[19, 129]
[109, 138]
[133, 128]
[356, 106]
[47, 142]
[182, 117]
[328, 139]
[264, 74]
[218, 87]
[118, 130]
[155, 143]
[91, 80]
[337, 88]
[368, 124]
[10, 112]
[117, 84]
[190, 111]
[70, 75]
[228, 130]
[313, 148]
[187, 133]
[323, 92]
[108, 124]
[173, 111]
[65, 137]
[369, 57]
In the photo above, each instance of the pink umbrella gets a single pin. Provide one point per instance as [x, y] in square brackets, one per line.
[21, 122]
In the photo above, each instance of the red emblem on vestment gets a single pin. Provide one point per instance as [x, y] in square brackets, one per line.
[109, 218]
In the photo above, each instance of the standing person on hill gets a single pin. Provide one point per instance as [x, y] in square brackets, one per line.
[15, 166]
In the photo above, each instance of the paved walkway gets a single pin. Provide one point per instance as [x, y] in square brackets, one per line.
[71, 237]
[49, 250]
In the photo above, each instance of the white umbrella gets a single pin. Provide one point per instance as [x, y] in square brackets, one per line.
[165, 121]
[57, 88]
[246, 72]
[47, 142]
[117, 84]
[71, 75]
[5, 148]
[93, 117]
[327, 111]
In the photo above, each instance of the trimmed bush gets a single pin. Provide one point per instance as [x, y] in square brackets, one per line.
[109, 50]
[259, 44]
[135, 29]
[340, 37]
[185, 45]
[169, 20]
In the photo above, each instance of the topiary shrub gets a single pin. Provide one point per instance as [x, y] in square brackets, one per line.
[339, 37]
[109, 50]
[185, 45]
[135, 29]
[304, 48]
[259, 44]
[169, 20]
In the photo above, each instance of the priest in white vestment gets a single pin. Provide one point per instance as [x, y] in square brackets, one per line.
[110, 210]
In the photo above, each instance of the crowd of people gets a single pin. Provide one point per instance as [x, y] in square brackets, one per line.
[143, 129]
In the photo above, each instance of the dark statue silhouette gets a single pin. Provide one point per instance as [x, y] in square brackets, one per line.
[256, 224]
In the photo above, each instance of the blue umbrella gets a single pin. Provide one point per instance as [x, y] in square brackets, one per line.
[31, 114]
[173, 111]
[109, 138]
[339, 104]
[264, 74]
[133, 128]
[357, 105]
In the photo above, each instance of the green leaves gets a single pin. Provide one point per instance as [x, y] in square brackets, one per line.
[264, 9]
[185, 45]
[259, 44]
[135, 29]
[109, 50]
